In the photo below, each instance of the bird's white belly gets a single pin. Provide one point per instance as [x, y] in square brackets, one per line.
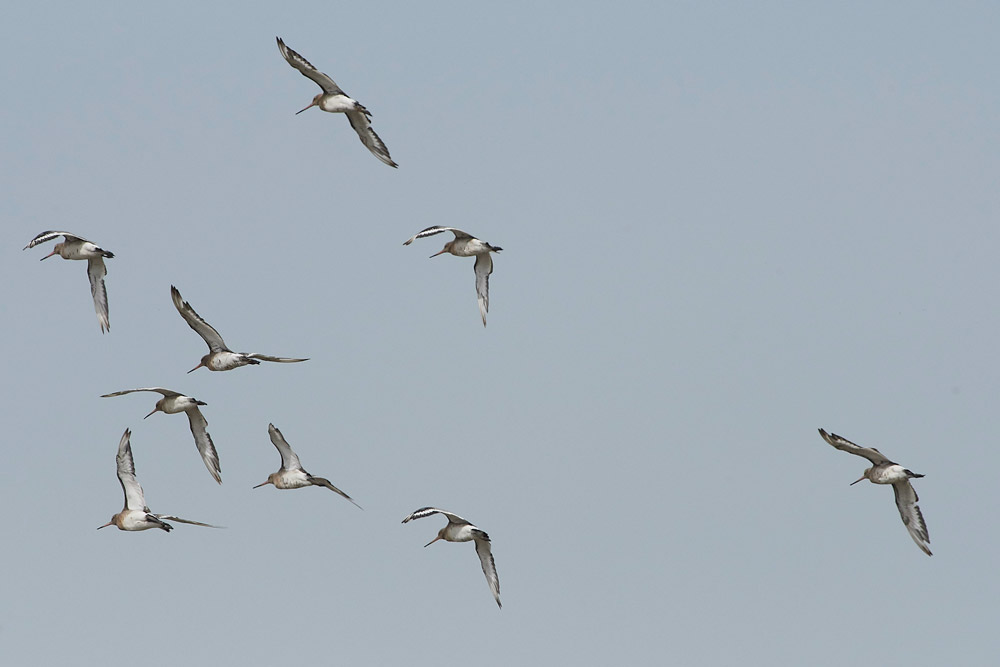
[225, 361]
[337, 104]
[468, 247]
[461, 533]
[79, 251]
[890, 475]
[292, 479]
[136, 520]
[174, 404]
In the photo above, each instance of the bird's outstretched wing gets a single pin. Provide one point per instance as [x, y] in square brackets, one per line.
[322, 481]
[159, 390]
[196, 322]
[134, 499]
[484, 267]
[96, 272]
[51, 234]
[431, 231]
[428, 511]
[169, 517]
[307, 69]
[845, 445]
[359, 121]
[280, 360]
[199, 429]
[489, 566]
[913, 519]
[289, 459]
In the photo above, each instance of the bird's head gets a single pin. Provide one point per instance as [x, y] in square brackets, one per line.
[55, 251]
[446, 248]
[270, 480]
[868, 472]
[203, 363]
[314, 103]
[439, 537]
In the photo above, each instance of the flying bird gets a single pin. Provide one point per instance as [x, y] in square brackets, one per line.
[459, 530]
[884, 471]
[466, 245]
[219, 357]
[74, 247]
[292, 475]
[335, 100]
[135, 515]
[174, 402]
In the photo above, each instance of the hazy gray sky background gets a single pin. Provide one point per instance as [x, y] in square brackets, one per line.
[724, 226]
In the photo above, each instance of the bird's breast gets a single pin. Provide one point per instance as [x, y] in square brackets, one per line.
[467, 247]
[79, 251]
[174, 404]
[889, 474]
[337, 103]
[225, 361]
[292, 479]
[456, 533]
[134, 520]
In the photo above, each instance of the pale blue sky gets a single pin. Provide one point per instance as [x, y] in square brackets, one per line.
[724, 226]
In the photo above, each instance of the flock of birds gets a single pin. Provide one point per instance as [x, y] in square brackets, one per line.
[135, 515]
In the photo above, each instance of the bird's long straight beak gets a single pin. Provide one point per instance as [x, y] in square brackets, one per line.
[195, 368]
[261, 484]
[151, 413]
[432, 541]
[311, 105]
[439, 253]
[49, 255]
[857, 480]
[105, 525]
